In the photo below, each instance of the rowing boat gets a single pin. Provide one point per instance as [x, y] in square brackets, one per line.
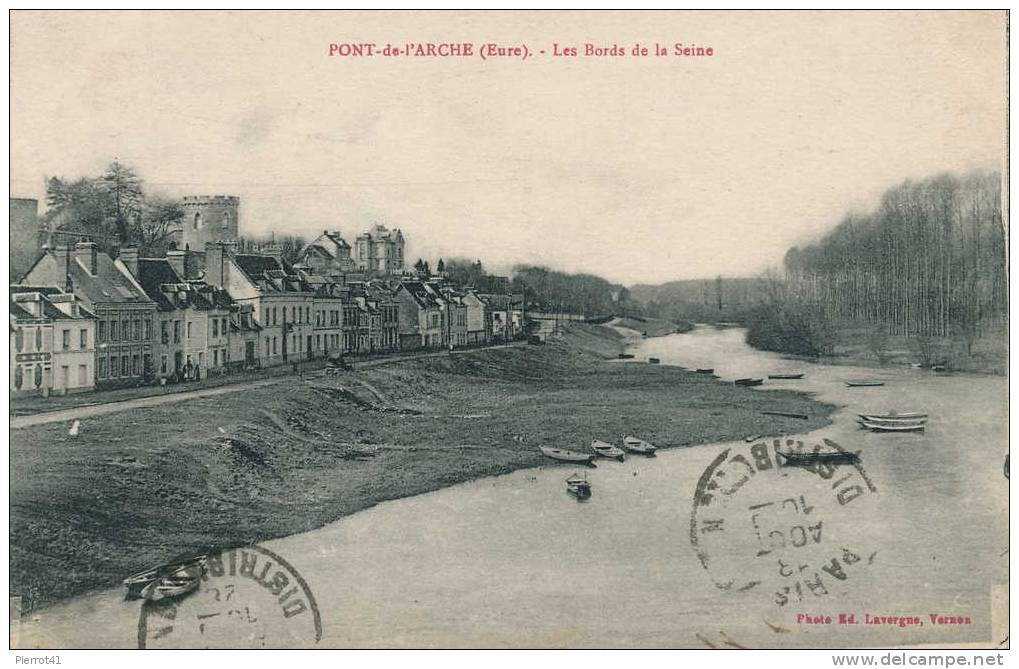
[607, 450]
[886, 427]
[826, 457]
[705, 370]
[892, 421]
[864, 384]
[564, 455]
[138, 583]
[578, 486]
[748, 382]
[635, 445]
[653, 361]
[785, 376]
[905, 416]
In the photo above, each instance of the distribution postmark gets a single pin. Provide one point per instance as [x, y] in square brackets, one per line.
[787, 531]
[248, 597]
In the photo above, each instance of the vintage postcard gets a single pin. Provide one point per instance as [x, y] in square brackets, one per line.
[514, 330]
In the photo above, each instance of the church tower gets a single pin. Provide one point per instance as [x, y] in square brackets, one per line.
[208, 218]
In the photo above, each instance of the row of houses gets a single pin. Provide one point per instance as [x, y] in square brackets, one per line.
[81, 319]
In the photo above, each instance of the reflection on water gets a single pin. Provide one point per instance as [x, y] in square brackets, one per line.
[515, 561]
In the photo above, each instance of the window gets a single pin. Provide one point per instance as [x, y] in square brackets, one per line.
[215, 327]
[102, 368]
[265, 315]
[189, 329]
[274, 315]
[274, 345]
[137, 329]
[197, 223]
[114, 367]
[267, 346]
[222, 326]
[135, 367]
[19, 377]
[102, 330]
[83, 338]
[162, 364]
[19, 340]
[215, 357]
[176, 332]
[148, 329]
[113, 330]
[125, 330]
[164, 333]
[38, 341]
[125, 365]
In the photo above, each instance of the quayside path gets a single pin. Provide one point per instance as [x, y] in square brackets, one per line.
[116, 406]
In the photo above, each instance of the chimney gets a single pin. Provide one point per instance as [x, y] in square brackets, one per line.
[216, 263]
[129, 256]
[176, 260]
[62, 255]
[88, 255]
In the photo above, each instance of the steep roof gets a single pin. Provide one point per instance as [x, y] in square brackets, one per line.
[153, 273]
[108, 284]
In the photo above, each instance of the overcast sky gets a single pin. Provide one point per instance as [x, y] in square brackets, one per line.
[637, 169]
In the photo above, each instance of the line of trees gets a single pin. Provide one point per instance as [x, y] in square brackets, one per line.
[114, 209]
[929, 261]
[587, 294]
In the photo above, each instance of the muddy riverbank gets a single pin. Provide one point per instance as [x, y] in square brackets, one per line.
[142, 486]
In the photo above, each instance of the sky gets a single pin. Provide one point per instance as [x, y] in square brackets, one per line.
[639, 169]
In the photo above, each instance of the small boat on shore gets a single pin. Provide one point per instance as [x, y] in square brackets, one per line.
[626, 356]
[889, 427]
[705, 370]
[904, 416]
[653, 361]
[818, 457]
[939, 368]
[751, 438]
[893, 421]
[578, 486]
[748, 382]
[167, 580]
[786, 414]
[607, 450]
[786, 376]
[635, 445]
[564, 455]
[863, 383]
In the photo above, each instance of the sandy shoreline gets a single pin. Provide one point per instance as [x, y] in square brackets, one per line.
[139, 488]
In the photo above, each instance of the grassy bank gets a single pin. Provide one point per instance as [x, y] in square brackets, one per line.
[143, 486]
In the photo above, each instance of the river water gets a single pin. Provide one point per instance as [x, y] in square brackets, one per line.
[919, 528]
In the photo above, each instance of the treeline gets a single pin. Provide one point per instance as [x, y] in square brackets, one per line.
[699, 300]
[929, 261]
[549, 290]
[113, 209]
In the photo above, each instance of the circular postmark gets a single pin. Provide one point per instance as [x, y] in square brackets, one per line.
[248, 597]
[783, 526]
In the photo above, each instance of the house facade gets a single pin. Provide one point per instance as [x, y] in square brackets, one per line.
[53, 343]
[125, 316]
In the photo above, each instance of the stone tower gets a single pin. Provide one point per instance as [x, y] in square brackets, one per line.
[208, 218]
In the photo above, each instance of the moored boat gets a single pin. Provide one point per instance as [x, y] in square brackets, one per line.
[889, 427]
[905, 415]
[705, 370]
[748, 382]
[786, 376]
[864, 383]
[190, 568]
[607, 450]
[564, 455]
[653, 361]
[173, 585]
[635, 445]
[578, 486]
[892, 421]
[816, 457]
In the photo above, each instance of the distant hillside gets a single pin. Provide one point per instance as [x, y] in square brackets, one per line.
[700, 300]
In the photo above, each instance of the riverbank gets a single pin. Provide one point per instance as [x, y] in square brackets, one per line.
[143, 486]
[859, 347]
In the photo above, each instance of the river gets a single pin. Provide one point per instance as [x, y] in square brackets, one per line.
[512, 561]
